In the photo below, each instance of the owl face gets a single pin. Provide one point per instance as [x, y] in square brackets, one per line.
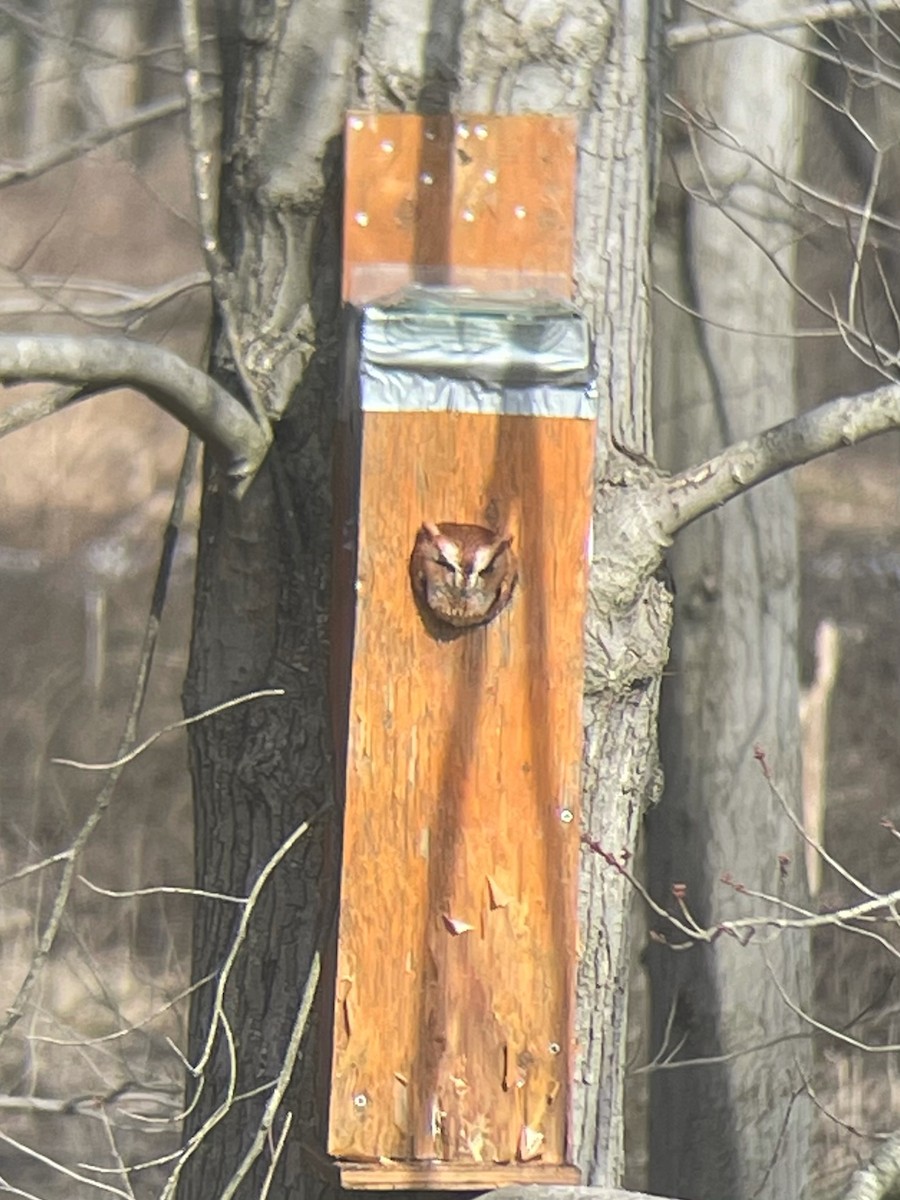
[463, 574]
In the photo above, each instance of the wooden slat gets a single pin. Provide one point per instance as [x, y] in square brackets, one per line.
[446, 195]
[390, 1177]
[461, 805]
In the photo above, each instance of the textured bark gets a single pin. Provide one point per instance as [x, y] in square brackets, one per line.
[262, 591]
[263, 574]
[733, 1128]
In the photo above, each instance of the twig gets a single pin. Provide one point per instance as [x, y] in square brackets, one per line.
[890, 1048]
[281, 1083]
[63, 1170]
[118, 1034]
[218, 1013]
[162, 890]
[157, 110]
[124, 759]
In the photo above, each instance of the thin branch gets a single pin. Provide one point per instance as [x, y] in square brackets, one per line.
[218, 1009]
[276, 1156]
[790, 17]
[793, 334]
[161, 890]
[158, 110]
[58, 1166]
[715, 198]
[889, 1048]
[77, 47]
[744, 928]
[191, 396]
[788, 811]
[24, 872]
[133, 1027]
[206, 193]
[831, 426]
[284, 1077]
[154, 737]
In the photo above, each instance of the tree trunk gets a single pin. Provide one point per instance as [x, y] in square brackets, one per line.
[264, 569]
[263, 574]
[730, 1128]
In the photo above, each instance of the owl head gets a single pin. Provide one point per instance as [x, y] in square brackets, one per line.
[463, 574]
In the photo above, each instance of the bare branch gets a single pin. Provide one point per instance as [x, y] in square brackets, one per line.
[60, 1168]
[284, 1077]
[790, 17]
[880, 1177]
[831, 426]
[124, 759]
[158, 110]
[191, 396]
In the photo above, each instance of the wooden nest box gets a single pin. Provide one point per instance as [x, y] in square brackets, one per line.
[464, 498]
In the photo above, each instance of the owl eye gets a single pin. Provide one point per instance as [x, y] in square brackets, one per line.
[445, 563]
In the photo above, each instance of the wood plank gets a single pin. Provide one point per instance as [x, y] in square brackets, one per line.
[383, 1177]
[454, 1041]
[446, 199]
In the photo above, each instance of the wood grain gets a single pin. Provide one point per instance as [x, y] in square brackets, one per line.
[458, 927]
[435, 198]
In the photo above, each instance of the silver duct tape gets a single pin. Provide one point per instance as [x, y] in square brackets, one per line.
[393, 390]
[509, 338]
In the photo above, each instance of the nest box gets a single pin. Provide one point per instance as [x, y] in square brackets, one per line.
[463, 489]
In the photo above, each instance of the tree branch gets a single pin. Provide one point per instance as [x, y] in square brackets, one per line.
[191, 396]
[841, 422]
[157, 110]
[789, 17]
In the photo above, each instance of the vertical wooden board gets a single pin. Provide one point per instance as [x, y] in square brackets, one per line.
[455, 982]
[427, 194]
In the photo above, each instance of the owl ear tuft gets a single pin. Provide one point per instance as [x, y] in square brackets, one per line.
[431, 529]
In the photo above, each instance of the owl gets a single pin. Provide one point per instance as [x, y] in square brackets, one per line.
[463, 574]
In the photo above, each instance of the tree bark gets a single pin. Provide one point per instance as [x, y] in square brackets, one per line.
[262, 596]
[731, 1127]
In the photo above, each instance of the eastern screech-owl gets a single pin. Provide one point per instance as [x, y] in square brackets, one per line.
[463, 574]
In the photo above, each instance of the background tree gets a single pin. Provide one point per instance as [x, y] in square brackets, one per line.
[724, 367]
